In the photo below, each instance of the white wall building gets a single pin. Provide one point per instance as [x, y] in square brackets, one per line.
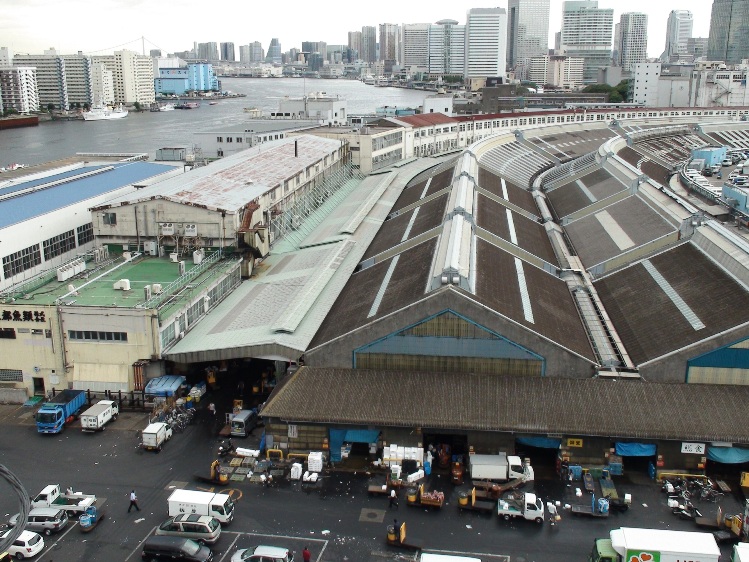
[414, 45]
[447, 48]
[714, 84]
[527, 33]
[133, 77]
[633, 46]
[78, 79]
[645, 83]
[390, 36]
[102, 84]
[318, 106]
[18, 89]
[6, 57]
[557, 70]
[586, 32]
[678, 33]
[486, 42]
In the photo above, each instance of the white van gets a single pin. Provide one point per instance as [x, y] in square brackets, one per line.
[427, 557]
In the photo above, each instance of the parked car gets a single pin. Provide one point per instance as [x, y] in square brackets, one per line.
[263, 554]
[707, 172]
[45, 520]
[203, 529]
[175, 548]
[726, 162]
[27, 545]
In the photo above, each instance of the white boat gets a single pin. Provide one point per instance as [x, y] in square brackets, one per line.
[166, 107]
[105, 113]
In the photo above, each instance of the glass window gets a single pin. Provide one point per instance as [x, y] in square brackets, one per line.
[110, 218]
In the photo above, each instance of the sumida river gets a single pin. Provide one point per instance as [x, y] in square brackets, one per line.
[147, 132]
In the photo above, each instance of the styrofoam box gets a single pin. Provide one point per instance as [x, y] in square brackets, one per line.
[418, 475]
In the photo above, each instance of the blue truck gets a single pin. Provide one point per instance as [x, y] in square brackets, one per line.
[52, 416]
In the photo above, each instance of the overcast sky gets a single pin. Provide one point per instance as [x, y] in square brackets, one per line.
[30, 26]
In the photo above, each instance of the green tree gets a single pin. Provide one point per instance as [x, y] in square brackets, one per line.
[136, 105]
[623, 89]
[50, 107]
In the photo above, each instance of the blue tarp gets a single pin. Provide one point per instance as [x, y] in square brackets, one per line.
[164, 386]
[542, 442]
[337, 437]
[728, 455]
[635, 450]
[361, 436]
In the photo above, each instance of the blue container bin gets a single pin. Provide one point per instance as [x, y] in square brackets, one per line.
[85, 520]
[577, 471]
[427, 468]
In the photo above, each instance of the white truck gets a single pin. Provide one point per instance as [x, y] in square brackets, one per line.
[499, 468]
[219, 506]
[740, 553]
[629, 543]
[72, 502]
[524, 505]
[98, 415]
[155, 435]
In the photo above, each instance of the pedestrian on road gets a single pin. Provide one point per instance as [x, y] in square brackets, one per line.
[212, 410]
[133, 502]
[306, 555]
[393, 499]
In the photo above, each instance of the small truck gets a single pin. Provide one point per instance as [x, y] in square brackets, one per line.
[155, 435]
[70, 501]
[525, 505]
[53, 415]
[98, 415]
[628, 543]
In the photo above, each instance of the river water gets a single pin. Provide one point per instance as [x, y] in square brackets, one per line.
[147, 132]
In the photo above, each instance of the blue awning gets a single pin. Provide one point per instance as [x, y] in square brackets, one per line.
[337, 437]
[541, 442]
[635, 450]
[164, 386]
[728, 455]
[361, 436]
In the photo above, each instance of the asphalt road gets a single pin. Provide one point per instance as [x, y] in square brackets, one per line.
[338, 522]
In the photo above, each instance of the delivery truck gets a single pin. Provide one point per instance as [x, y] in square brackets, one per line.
[740, 553]
[523, 505]
[72, 502]
[155, 435]
[98, 415]
[219, 506]
[499, 468]
[53, 415]
[628, 543]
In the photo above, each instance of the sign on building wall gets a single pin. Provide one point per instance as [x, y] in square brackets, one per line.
[23, 315]
[574, 442]
[693, 448]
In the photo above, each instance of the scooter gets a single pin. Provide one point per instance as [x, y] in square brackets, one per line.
[686, 511]
[225, 447]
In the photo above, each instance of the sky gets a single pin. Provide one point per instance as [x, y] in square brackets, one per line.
[31, 26]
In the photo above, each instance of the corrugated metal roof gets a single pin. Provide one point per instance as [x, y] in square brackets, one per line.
[596, 407]
[232, 182]
[424, 119]
[36, 203]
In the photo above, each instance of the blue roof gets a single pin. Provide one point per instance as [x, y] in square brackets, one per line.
[164, 386]
[34, 204]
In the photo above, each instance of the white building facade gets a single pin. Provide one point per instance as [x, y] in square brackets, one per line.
[50, 78]
[633, 46]
[102, 84]
[527, 33]
[559, 71]
[486, 42]
[586, 32]
[132, 77]
[18, 89]
[414, 46]
[678, 32]
[645, 83]
[447, 48]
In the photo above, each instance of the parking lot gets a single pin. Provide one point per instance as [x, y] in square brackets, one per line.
[337, 520]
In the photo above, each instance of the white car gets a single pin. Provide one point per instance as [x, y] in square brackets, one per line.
[27, 545]
[263, 554]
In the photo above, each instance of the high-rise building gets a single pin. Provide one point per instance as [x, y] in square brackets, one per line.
[447, 48]
[257, 54]
[102, 84]
[616, 52]
[244, 54]
[414, 45]
[78, 79]
[368, 51]
[154, 53]
[556, 70]
[19, 89]
[6, 57]
[208, 51]
[729, 38]
[227, 52]
[678, 32]
[354, 45]
[389, 42]
[486, 42]
[633, 43]
[586, 33]
[274, 52]
[133, 77]
[50, 78]
[697, 46]
[527, 33]
[319, 47]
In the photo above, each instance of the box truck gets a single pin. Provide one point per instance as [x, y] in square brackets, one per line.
[98, 415]
[52, 416]
[499, 468]
[155, 435]
[219, 506]
[628, 543]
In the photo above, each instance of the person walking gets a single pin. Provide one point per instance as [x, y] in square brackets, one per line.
[133, 502]
[306, 555]
[393, 499]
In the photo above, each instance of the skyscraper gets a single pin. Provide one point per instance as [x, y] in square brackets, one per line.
[227, 52]
[208, 51]
[678, 32]
[274, 52]
[486, 42]
[257, 54]
[368, 51]
[729, 38]
[527, 33]
[389, 41]
[633, 46]
[415, 46]
[354, 44]
[447, 48]
[586, 33]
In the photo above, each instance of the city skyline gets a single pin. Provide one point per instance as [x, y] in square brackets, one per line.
[26, 26]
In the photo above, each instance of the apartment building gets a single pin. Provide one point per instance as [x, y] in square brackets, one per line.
[50, 78]
[586, 32]
[633, 41]
[132, 76]
[18, 89]
[414, 45]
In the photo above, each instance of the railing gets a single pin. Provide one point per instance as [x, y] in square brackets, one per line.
[156, 300]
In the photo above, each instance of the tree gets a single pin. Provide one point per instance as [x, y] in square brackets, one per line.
[50, 107]
[623, 89]
[136, 105]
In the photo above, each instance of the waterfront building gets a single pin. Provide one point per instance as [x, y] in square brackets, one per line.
[559, 71]
[586, 32]
[257, 54]
[208, 51]
[78, 79]
[319, 106]
[355, 45]
[219, 143]
[274, 52]
[227, 52]
[389, 44]
[50, 77]
[102, 84]
[132, 75]
[368, 52]
[729, 40]
[527, 33]
[195, 77]
[633, 45]
[486, 42]
[678, 32]
[18, 89]
[414, 44]
[712, 84]
[447, 48]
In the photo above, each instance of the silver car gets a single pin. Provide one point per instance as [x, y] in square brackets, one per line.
[203, 529]
[45, 520]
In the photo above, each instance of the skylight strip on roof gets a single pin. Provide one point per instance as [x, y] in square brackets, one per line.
[525, 297]
[671, 293]
[616, 232]
[586, 191]
[383, 287]
[511, 227]
[504, 189]
[426, 187]
[411, 222]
